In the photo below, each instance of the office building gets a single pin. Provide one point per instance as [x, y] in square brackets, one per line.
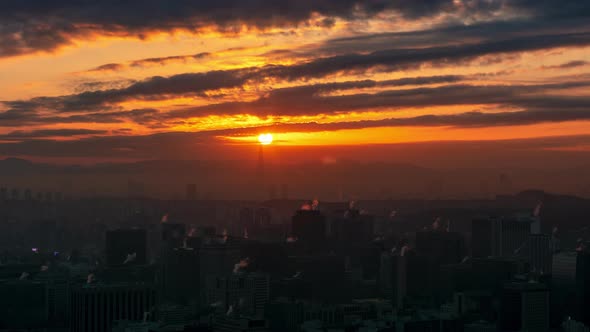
[94, 307]
[24, 304]
[445, 247]
[501, 237]
[246, 294]
[125, 247]
[540, 253]
[309, 227]
[392, 278]
[525, 307]
[179, 276]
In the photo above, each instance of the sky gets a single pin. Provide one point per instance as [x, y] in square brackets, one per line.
[95, 81]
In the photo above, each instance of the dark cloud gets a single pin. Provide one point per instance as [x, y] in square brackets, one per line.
[382, 61]
[411, 58]
[38, 25]
[108, 67]
[33, 25]
[344, 97]
[316, 99]
[570, 64]
[461, 120]
[150, 62]
[153, 88]
[46, 133]
[169, 59]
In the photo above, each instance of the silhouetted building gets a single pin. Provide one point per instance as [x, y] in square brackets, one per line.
[179, 278]
[583, 287]
[173, 235]
[324, 277]
[231, 323]
[483, 241]
[445, 247]
[246, 218]
[540, 253]
[504, 237]
[563, 286]
[262, 217]
[246, 293]
[23, 304]
[94, 307]
[125, 247]
[392, 278]
[525, 307]
[309, 227]
[354, 228]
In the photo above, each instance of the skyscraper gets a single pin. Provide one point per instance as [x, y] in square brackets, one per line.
[94, 307]
[540, 253]
[445, 247]
[180, 276]
[247, 293]
[309, 227]
[502, 237]
[125, 246]
[525, 307]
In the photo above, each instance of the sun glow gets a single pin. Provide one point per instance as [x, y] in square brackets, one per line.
[265, 139]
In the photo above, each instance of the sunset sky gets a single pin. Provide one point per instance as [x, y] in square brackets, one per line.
[147, 79]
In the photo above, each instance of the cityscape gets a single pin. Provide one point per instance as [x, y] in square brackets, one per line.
[294, 166]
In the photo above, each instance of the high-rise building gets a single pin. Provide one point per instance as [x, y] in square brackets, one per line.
[392, 278]
[353, 228]
[23, 305]
[246, 293]
[94, 307]
[125, 246]
[482, 235]
[502, 237]
[218, 259]
[231, 323]
[446, 247]
[525, 307]
[246, 218]
[262, 217]
[563, 286]
[540, 253]
[179, 277]
[583, 287]
[173, 235]
[309, 227]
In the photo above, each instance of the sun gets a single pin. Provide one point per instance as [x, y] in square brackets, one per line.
[265, 139]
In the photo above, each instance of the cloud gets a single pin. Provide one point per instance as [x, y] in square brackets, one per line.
[109, 67]
[568, 65]
[315, 99]
[35, 25]
[48, 133]
[461, 120]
